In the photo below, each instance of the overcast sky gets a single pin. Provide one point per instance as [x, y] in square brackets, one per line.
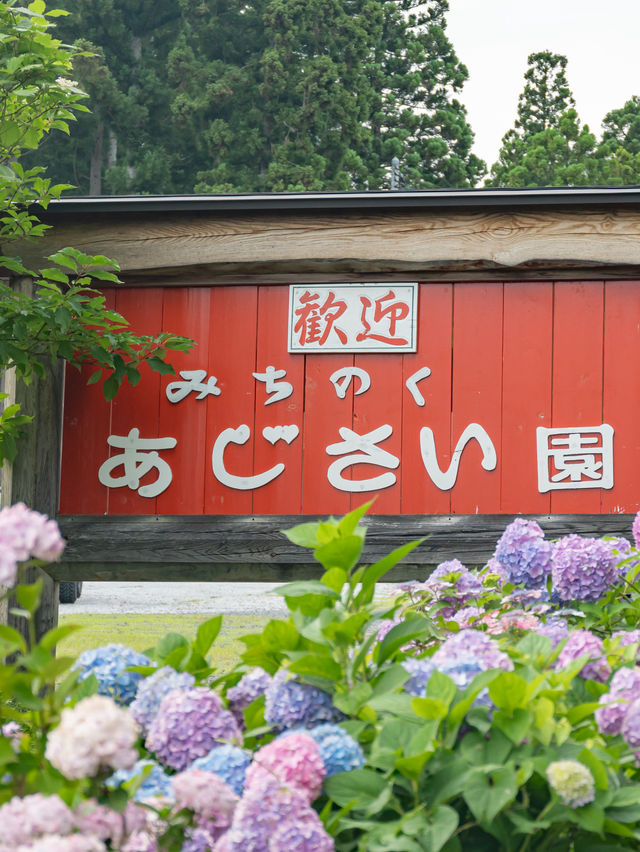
[601, 39]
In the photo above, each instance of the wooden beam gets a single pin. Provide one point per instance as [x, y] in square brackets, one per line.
[33, 478]
[238, 548]
[206, 248]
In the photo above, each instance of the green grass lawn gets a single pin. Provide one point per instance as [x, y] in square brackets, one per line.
[142, 631]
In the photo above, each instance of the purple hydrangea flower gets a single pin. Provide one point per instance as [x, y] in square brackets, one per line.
[269, 808]
[456, 592]
[188, 725]
[153, 689]
[494, 566]
[635, 530]
[156, 784]
[338, 749]
[627, 637]
[555, 629]
[291, 704]
[227, 762]
[630, 728]
[386, 625]
[466, 654]
[524, 554]
[466, 616]
[109, 664]
[623, 689]
[420, 671]
[251, 685]
[579, 644]
[583, 569]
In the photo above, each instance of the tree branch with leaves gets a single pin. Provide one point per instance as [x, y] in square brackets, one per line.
[63, 315]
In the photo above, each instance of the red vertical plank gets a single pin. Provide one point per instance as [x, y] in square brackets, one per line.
[137, 407]
[526, 392]
[419, 494]
[477, 392]
[622, 392]
[282, 495]
[577, 374]
[376, 408]
[85, 429]
[324, 414]
[186, 312]
[232, 359]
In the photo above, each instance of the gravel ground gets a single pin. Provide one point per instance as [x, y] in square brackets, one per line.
[213, 598]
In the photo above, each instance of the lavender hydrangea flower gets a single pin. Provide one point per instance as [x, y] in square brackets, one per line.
[630, 728]
[466, 654]
[524, 554]
[623, 689]
[227, 762]
[291, 704]
[627, 637]
[188, 725]
[156, 784]
[109, 664]
[572, 782]
[420, 671]
[152, 690]
[583, 569]
[267, 808]
[579, 644]
[456, 592]
[25, 533]
[338, 749]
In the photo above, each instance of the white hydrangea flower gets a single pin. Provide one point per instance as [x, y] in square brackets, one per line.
[572, 781]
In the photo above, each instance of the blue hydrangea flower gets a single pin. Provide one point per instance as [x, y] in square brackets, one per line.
[227, 762]
[583, 569]
[524, 554]
[338, 749]
[291, 704]
[157, 782]
[109, 664]
[153, 689]
[420, 671]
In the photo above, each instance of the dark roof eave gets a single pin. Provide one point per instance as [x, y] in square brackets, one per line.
[485, 199]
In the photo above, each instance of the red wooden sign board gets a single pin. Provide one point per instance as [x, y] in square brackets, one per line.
[520, 397]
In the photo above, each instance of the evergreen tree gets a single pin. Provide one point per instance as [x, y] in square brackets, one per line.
[618, 155]
[547, 146]
[264, 95]
[416, 116]
[123, 145]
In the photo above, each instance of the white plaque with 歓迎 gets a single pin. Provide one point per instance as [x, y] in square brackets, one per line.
[353, 318]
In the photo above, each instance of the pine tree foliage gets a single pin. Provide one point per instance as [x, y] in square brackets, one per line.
[265, 95]
[547, 146]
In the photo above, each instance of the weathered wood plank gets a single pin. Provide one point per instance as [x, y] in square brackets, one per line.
[253, 548]
[208, 247]
[33, 478]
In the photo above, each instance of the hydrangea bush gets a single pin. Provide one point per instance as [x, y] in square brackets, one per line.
[491, 709]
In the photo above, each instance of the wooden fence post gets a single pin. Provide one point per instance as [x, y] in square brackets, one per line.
[33, 478]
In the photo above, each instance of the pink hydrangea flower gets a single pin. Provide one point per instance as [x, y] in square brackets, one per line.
[206, 794]
[107, 824]
[22, 820]
[94, 733]
[294, 760]
[28, 533]
[69, 843]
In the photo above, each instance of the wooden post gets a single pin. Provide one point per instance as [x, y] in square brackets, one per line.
[33, 478]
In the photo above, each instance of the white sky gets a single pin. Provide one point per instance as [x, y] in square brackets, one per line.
[600, 38]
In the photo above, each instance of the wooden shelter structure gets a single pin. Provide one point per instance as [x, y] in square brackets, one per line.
[519, 394]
